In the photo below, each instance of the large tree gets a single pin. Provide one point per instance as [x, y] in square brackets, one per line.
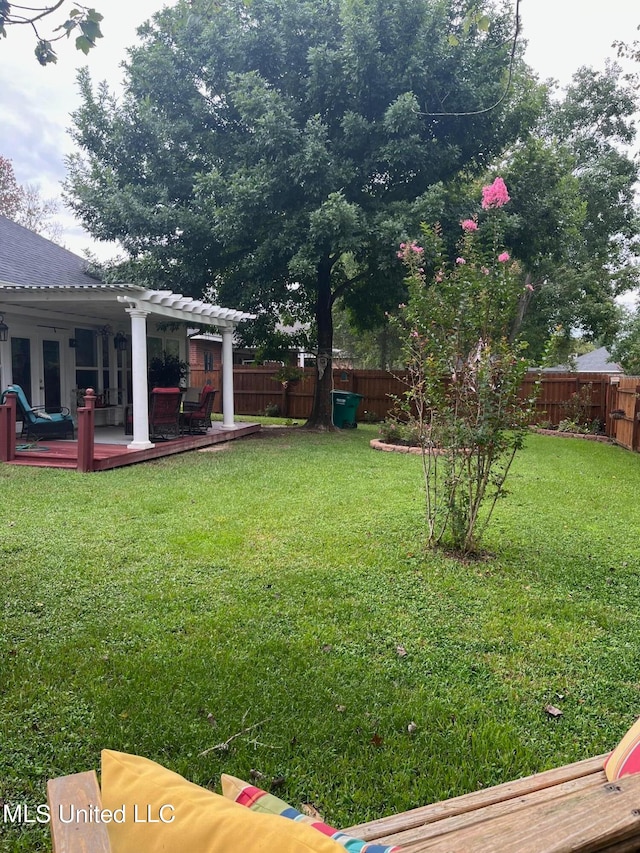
[24, 204]
[273, 154]
[577, 226]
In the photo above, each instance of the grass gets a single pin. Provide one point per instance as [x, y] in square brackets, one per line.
[160, 609]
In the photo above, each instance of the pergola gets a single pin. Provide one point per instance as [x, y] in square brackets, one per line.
[101, 302]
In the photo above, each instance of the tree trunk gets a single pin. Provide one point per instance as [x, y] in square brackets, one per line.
[321, 413]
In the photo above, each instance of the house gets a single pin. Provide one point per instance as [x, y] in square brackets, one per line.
[62, 331]
[596, 361]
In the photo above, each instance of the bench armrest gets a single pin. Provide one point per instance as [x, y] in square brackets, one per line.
[67, 795]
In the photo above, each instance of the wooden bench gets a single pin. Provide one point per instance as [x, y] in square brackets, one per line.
[572, 808]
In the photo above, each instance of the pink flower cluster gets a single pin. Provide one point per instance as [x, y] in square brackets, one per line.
[495, 195]
[405, 248]
[503, 257]
[469, 225]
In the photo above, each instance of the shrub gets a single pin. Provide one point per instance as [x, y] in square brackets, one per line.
[465, 370]
[395, 431]
[272, 410]
[578, 407]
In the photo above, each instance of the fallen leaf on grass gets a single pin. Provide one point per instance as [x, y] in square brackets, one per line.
[412, 728]
[311, 811]
[401, 651]
[552, 711]
[341, 708]
[256, 775]
[376, 740]
[278, 782]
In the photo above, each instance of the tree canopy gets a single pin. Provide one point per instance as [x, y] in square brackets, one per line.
[25, 205]
[81, 21]
[578, 227]
[273, 154]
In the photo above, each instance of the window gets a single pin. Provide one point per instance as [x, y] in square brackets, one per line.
[154, 348]
[21, 364]
[86, 359]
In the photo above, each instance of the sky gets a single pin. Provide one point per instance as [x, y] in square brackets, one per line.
[36, 102]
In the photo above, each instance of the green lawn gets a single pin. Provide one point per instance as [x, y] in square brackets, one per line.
[162, 608]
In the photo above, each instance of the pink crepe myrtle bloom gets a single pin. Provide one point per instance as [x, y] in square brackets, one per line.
[529, 287]
[484, 270]
[469, 225]
[460, 261]
[503, 257]
[406, 248]
[495, 195]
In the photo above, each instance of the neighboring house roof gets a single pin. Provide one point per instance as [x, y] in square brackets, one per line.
[596, 361]
[28, 258]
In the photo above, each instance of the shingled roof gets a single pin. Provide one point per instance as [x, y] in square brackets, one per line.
[27, 258]
[596, 361]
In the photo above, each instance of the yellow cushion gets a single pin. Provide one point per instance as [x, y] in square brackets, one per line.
[157, 810]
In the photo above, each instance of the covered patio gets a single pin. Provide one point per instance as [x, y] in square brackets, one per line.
[75, 344]
[109, 306]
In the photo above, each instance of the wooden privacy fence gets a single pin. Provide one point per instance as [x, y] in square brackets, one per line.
[557, 389]
[624, 411]
[256, 389]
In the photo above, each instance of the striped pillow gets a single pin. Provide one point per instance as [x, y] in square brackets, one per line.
[625, 758]
[260, 801]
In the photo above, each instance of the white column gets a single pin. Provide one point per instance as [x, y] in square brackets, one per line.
[139, 379]
[227, 376]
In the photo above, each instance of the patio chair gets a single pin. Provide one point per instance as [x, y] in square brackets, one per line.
[164, 413]
[37, 423]
[196, 416]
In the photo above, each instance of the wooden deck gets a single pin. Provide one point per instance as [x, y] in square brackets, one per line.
[115, 454]
[565, 810]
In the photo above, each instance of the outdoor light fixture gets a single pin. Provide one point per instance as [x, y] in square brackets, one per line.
[4, 329]
[120, 341]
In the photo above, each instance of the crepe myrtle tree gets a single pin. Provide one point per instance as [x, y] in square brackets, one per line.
[270, 153]
[464, 370]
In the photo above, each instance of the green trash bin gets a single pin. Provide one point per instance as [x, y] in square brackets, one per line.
[345, 404]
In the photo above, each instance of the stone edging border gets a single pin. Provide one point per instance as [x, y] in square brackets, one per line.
[376, 444]
[399, 448]
[582, 435]
[393, 448]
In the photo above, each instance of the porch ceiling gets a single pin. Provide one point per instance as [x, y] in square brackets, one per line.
[109, 301]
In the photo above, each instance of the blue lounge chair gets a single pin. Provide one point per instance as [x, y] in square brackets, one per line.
[38, 423]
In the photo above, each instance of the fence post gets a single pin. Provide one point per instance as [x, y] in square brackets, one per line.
[636, 420]
[86, 438]
[611, 403]
[8, 428]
